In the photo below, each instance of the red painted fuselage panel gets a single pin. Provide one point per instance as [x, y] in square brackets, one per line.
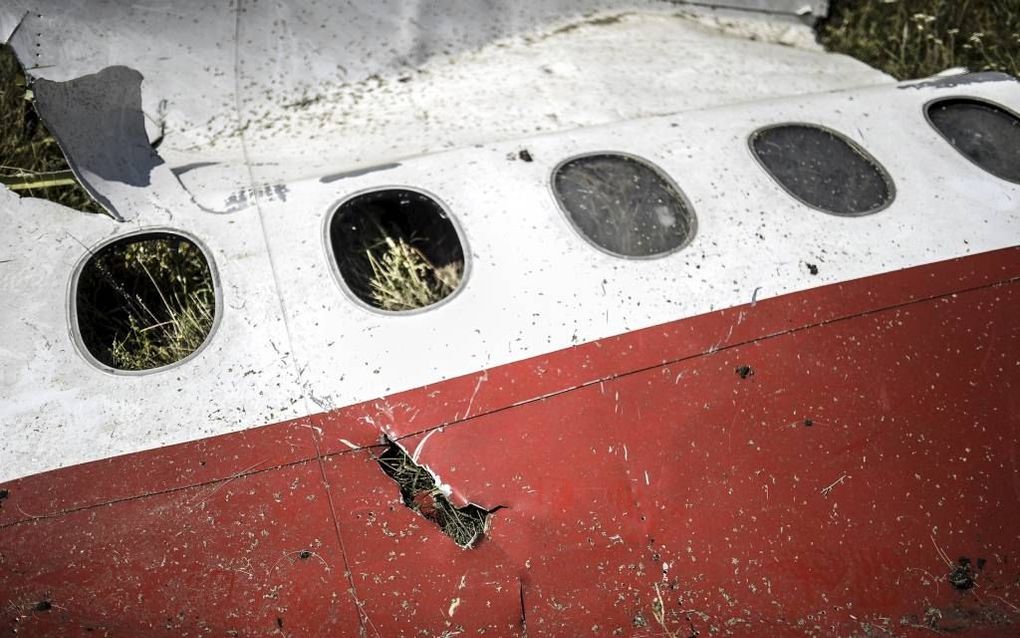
[836, 462]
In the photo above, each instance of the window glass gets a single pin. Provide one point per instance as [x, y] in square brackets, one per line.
[823, 169]
[623, 205]
[982, 132]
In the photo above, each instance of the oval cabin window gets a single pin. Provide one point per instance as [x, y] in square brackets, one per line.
[823, 169]
[145, 301]
[984, 133]
[396, 250]
[623, 205]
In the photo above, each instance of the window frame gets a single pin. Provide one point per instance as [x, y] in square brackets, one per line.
[926, 111]
[854, 146]
[565, 213]
[71, 309]
[334, 266]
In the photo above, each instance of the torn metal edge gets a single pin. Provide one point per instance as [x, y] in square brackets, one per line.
[445, 491]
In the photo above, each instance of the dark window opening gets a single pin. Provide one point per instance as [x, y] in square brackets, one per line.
[396, 249]
[144, 301]
[823, 169]
[984, 133]
[623, 205]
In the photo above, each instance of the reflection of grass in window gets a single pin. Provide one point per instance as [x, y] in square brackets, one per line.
[917, 38]
[622, 205]
[145, 303]
[399, 275]
[613, 200]
[31, 163]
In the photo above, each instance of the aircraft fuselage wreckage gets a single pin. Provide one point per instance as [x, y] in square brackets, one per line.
[723, 337]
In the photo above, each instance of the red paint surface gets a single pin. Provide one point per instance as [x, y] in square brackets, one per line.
[652, 476]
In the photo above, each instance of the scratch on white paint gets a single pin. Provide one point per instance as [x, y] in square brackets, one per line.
[350, 445]
[625, 453]
[454, 604]
[463, 582]
[647, 481]
[421, 444]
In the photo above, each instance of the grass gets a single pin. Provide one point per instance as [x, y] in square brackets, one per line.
[917, 38]
[396, 249]
[403, 278]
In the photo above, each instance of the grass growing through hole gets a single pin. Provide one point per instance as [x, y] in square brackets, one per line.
[418, 489]
[31, 163]
[145, 302]
[918, 38]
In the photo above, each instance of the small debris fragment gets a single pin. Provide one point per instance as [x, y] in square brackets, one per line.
[808, 423]
[4, 494]
[305, 555]
[812, 268]
[43, 605]
[525, 155]
[962, 577]
[745, 371]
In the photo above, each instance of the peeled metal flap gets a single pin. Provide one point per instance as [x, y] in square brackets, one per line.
[101, 129]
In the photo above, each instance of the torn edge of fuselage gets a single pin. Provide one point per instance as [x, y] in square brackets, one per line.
[422, 490]
[102, 204]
